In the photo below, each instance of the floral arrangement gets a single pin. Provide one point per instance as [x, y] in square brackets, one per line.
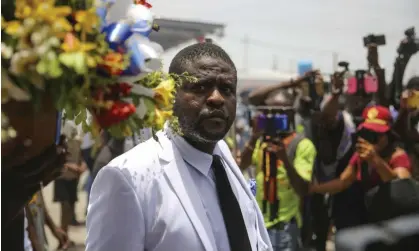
[64, 50]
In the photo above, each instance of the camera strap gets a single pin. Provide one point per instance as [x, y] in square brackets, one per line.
[270, 181]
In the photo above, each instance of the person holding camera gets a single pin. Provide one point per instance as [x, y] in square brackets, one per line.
[376, 160]
[407, 123]
[279, 199]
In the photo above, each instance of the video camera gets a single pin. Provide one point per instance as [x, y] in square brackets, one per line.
[374, 39]
[275, 121]
[411, 44]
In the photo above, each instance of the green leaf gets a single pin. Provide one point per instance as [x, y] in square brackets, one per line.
[74, 60]
[41, 67]
[54, 69]
[85, 126]
[82, 116]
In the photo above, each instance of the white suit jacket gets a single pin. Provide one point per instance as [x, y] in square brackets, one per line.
[143, 200]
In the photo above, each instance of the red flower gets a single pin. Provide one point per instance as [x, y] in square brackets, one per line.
[123, 89]
[119, 112]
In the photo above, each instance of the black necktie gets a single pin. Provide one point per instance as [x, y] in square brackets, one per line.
[232, 214]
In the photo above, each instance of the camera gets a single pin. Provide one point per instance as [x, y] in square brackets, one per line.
[410, 45]
[344, 65]
[275, 122]
[374, 39]
[370, 136]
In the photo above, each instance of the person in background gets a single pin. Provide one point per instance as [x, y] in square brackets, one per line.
[65, 187]
[375, 147]
[285, 221]
[407, 123]
[38, 216]
[112, 148]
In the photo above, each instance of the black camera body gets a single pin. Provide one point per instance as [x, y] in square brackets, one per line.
[374, 39]
[411, 44]
[344, 65]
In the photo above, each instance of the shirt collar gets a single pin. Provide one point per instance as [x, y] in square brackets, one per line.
[194, 157]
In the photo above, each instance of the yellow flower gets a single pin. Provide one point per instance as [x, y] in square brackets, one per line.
[62, 25]
[44, 10]
[13, 28]
[24, 8]
[127, 131]
[160, 117]
[87, 20]
[163, 93]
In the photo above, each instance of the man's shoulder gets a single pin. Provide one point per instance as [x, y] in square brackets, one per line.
[138, 159]
[305, 145]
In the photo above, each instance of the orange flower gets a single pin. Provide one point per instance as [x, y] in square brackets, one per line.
[113, 63]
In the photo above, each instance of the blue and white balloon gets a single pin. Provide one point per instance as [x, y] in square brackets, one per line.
[130, 34]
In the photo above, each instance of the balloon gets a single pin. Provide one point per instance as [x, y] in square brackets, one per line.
[141, 18]
[117, 34]
[130, 35]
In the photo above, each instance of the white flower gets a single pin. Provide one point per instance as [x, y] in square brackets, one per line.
[29, 23]
[20, 61]
[42, 49]
[6, 51]
[37, 38]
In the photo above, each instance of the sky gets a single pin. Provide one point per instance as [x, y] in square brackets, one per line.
[287, 31]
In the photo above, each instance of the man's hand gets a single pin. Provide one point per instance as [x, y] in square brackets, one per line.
[71, 171]
[279, 149]
[365, 150]
[337, 83]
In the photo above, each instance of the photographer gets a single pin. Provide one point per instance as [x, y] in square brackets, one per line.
[408, 47]
[280, 199]
[407, 123]
[376, 148]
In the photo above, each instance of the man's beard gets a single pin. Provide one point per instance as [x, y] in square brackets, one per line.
[190, 131]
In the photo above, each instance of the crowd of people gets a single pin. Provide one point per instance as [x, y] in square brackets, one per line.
[317, 159]
[337, 152]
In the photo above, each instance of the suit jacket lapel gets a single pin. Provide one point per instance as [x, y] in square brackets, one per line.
[178, 175]
[236, 171]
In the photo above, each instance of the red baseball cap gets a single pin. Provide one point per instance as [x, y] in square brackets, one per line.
[377, 119]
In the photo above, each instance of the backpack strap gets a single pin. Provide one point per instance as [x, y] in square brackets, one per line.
[292, 147]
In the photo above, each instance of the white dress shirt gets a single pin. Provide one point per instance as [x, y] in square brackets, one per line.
[199, 166]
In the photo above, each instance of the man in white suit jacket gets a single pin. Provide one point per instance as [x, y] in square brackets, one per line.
[164, 194]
